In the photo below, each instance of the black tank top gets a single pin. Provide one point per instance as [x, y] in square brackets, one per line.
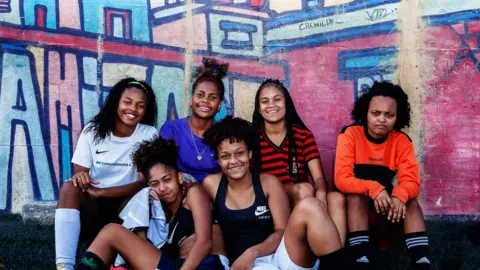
[181, 227]
[243, 228]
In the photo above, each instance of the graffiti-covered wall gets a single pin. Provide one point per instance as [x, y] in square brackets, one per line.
[58, 60]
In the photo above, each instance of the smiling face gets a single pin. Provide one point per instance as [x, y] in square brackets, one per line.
[206, 100]
[165, 182]
[272, 104]
[234, 159]
[381, 116]
[131, 106]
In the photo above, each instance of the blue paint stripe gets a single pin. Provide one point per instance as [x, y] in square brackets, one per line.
[65, 148]
[453, 18]
[13, 47]
[368, 52]
[235, 26]
[368, 61]
[221, 113]
[237, 45]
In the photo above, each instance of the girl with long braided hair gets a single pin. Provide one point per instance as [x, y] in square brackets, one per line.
[286, 148]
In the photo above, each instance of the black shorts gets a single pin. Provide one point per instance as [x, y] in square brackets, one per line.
[93, 220]
[109, 209]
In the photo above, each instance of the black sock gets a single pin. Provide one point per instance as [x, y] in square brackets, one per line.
[335, 260]
[360, 247]
[417, 245]
[90, 261]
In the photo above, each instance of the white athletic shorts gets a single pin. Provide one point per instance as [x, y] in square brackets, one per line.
[279, 261]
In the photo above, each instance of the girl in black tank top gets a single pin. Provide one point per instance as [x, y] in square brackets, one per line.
[253, 211]
[181, 226]
[243, 228]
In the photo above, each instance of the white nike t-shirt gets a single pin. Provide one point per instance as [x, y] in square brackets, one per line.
[110, 160]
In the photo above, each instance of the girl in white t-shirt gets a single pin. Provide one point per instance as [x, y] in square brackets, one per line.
[104, 175]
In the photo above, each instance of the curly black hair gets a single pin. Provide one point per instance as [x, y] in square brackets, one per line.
[152, 152]
[234, 129]
[385, 89]
[104, 122]
[291, 118]
[213, 71]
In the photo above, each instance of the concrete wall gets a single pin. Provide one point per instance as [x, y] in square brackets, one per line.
[59, 58]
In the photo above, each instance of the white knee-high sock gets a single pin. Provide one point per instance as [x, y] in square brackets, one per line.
[67, 232]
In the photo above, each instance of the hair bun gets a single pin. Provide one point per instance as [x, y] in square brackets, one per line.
[211, 68]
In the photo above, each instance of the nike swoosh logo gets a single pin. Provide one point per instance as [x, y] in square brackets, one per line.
[423, 260]
[170, 239]
[259, 213]
[363, 259]
[100, 152]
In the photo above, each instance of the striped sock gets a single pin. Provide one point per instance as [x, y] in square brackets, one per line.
[417, 245]
[357, 238]
[359, 242]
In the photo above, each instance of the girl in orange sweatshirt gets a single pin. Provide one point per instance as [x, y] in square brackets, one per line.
[370, 153]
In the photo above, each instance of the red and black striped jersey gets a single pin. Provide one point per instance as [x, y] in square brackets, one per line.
[274, 159]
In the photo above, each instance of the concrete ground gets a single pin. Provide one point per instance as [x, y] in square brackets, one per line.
[454, 245]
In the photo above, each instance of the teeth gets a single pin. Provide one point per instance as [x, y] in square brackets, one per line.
[236, 168]
[130, 116]
[272, 112]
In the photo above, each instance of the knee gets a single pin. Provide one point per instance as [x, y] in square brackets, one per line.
[311, 206]
[110, 231]
[304, 190]
[337, 200]
[68, 191]
[413, 206]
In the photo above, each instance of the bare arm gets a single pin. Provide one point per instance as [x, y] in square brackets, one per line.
[312, 156]
[123, 191]
[210, 185]
[120, 191]
[199, 204]
[280, 208]
[316, 170]
[77, 168]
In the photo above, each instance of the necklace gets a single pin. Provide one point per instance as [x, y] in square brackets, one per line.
[174, 214]
[199, 154]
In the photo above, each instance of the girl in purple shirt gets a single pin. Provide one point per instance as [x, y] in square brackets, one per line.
[194, 157]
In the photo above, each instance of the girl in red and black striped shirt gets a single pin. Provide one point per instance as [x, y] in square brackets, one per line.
[286, 148]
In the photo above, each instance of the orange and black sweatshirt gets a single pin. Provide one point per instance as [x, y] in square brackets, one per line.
[365, 165]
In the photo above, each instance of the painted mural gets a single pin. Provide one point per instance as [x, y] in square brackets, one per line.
[58, 60]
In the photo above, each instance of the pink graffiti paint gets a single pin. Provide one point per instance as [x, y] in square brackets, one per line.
[65, 91]
[451, 127]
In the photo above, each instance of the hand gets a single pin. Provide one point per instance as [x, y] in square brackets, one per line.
[245, 261]
[383, 202]
[95, 191]
[186, 246]
[397, 211]
[83, 180]
[322, 196]
[153, 194]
